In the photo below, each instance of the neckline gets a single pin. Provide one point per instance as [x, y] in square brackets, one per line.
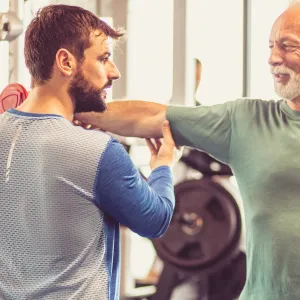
[294, 114]
[34, 115]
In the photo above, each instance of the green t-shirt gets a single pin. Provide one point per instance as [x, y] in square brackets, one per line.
[260, 140]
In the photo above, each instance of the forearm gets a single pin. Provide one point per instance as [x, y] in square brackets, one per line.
[122, 193]
[133, 118]
[161, 181]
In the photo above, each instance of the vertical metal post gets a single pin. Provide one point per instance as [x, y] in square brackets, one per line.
[14, 46]
[120, 13]
[183, 64]
[246, 48]
[179, 52]
[117, 10]
[104, 8]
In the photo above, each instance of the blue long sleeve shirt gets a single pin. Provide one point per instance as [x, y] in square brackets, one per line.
[64, 191]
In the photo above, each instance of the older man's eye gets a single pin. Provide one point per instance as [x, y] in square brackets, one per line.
[288, 46]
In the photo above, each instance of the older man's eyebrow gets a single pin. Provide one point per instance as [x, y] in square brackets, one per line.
[290, 38]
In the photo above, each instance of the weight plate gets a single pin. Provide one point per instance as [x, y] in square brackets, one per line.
[12, 96]
[205, 229]
[228, 283]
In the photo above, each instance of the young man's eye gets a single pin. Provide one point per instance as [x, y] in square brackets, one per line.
[104, 59]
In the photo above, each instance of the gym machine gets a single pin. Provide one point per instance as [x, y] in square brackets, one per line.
[203, 242]
[10, 26]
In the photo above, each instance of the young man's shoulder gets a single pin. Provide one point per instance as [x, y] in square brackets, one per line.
[78, 141]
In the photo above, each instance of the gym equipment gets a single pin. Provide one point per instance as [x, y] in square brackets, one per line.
[203, 239]
[12, 96]
[204, 163]
[228, 283]
[205, 230]
[10, 26]
[225, 284]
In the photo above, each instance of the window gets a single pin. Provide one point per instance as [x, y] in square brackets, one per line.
[150, 50]
[262, 16]
[216, 37]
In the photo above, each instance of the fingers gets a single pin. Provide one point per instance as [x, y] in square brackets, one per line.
[87, 120]
[178, 153]
[84, 117]
[86, 126]
[166, 131]
[158, 143]
[151, 146]
[79, 123]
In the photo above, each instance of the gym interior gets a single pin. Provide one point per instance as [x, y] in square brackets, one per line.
[185, 52]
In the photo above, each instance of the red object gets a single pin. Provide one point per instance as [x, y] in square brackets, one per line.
[12, 96]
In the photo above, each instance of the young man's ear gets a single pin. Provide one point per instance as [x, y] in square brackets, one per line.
[66, 62]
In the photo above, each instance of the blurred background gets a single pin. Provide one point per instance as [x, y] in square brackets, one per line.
[188, 52]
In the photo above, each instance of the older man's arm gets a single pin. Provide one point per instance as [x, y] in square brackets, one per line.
[128, 118]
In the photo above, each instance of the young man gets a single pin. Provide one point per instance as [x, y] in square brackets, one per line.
[64, 190]
[260, 140]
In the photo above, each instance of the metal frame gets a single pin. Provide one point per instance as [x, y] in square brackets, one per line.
[183, 64]
[117, 10]
[14, 46]
[246, 48]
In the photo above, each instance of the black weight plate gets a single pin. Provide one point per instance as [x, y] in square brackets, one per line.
[12, 96]
[205, 227]
[228, 283]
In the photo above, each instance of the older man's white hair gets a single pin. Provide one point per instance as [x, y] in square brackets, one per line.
[294, 2]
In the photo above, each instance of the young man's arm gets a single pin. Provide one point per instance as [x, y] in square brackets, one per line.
[120, 191]
[128, 118]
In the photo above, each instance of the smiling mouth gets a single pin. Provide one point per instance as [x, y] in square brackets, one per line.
[281, 77]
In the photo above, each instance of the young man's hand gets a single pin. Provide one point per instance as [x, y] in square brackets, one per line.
[164, 153]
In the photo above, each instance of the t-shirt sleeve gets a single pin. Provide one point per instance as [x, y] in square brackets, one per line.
[207, 128]
[120, 191]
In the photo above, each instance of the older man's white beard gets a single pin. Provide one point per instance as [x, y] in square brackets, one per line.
[291, 90]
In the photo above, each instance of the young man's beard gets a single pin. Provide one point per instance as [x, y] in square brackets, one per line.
[85, 96]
